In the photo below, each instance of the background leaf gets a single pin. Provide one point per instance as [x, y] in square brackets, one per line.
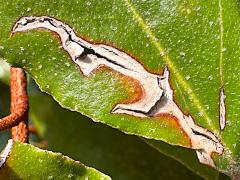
[28, 162]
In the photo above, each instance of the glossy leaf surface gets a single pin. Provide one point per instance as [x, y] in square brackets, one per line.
[197, 40]
[25, 161]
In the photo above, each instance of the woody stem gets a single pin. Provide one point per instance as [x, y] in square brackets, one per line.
[18, 119]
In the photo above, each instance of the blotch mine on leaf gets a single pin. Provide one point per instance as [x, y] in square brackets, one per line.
[156, 93]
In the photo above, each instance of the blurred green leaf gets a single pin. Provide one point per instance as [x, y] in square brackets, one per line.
[28, 162]
[187, 157]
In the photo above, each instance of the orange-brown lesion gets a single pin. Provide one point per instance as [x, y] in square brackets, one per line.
[132, 86]
[173, 122]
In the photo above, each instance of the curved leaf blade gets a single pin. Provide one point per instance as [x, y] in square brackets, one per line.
[170, 33]
[25, 161]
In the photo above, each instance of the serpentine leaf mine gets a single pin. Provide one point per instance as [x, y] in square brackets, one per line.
[157, 96]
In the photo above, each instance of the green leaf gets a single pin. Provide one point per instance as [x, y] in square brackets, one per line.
[25, 161]
[47, 115]
[197, 40]
[114, 153]
[56, 74]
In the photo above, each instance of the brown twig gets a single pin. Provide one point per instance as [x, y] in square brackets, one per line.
[19, 106]
[19, 103]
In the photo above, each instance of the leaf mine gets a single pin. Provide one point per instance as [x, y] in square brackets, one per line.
[157, 95]
[222, 116]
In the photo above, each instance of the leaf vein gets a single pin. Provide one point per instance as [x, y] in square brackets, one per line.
[221, 43]
[166, 58]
